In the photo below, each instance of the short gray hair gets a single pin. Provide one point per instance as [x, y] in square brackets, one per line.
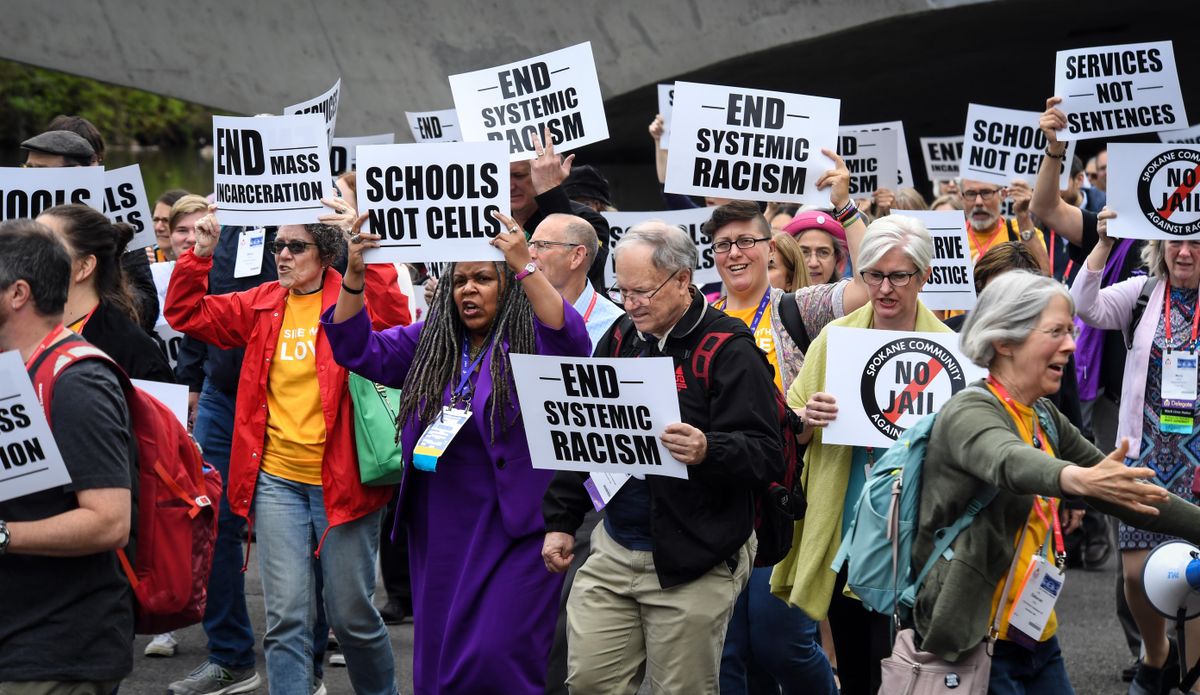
[1154, 257]
[578, 231]
[1007, 311]
[896, 232]
[673, 249]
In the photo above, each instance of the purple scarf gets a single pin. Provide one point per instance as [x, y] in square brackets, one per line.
[1089, 347]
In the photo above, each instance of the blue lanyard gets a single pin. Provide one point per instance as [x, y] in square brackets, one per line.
[468, 368]
[762, 308]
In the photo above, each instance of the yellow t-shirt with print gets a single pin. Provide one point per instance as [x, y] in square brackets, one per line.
[295, 443]
[764, 336]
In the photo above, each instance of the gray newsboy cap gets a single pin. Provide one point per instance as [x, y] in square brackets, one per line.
[61, 142]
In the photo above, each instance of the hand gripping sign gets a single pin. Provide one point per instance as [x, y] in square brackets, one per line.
[666, 102]
[26, 193]
[29, 458]
[1155, 190]
[434, 126]
[1005, 144]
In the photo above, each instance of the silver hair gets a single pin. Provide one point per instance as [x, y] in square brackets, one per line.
[1007, 311]
[1154, 257]
[673, 250]
[578, 231]
[896, 232]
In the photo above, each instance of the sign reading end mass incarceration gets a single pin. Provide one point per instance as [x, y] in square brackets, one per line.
[690, 221]
[750, 143]
[434, 126]
[26, 193]
[29, 458]
[1118, 90]
[885, 381]
[951, 283]
[1155, 190]
[125, 201]
[598, 415]
[513, 103]
[942, 156]
[1005, 144]
[871, 158]
[433, 202]
[270, 171]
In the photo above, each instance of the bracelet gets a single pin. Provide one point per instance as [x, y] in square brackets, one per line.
[851, 218]
[1061, 157]
[841, 212]
[351, 290]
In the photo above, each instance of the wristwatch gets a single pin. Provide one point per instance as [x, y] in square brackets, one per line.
[5, 537]
[528, 270]
[1026, 234]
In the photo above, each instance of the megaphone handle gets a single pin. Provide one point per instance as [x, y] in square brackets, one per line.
[1188, 678]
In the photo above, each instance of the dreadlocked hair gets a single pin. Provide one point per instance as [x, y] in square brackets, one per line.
[435, 365]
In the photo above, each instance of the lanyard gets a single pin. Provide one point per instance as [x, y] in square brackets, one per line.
[1167, 321]
[79, 323]
[468, 368]
[46, 343]
[1060, 549]
[1012, 408]
[762, 308]
[995, 237]
[591, 305]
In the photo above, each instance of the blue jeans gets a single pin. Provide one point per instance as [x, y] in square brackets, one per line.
[290, 520]
[770, 645]
[1017, 671]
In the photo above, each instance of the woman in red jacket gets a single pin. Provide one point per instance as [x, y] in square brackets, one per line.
[293, 462]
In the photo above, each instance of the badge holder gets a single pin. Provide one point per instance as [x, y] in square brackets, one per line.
[1179, 376]
[437, 436]
[1040, 588]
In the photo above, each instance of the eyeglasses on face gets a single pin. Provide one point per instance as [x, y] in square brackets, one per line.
[743, 243]
[295, 246]
[822, 253]
[985, 193]
[900, 278]
[542, 245]
[641, 296]
[1060, 332]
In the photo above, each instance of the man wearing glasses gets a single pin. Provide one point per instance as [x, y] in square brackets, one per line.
[563, 247]
[987, 226]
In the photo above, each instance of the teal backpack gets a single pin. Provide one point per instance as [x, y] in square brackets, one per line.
[877, 548]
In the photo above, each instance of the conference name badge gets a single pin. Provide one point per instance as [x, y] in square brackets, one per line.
[437, 437]
[1178, 392]
[1035, 602]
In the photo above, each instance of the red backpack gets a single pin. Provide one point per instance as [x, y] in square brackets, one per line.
[176, 504]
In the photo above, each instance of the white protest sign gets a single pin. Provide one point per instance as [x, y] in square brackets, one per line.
[326, 105]
[666, 102]
[342, 153]
[174, 396]
[270, 171]
[690, 221]
[169, 340]
[750, 143]
[26, 193]
[512, 103]
[125, 201]
[1118, 90]
[884, 381]
[1187, 135]
[952, 283]
[942, 156]
[434, 126]
[871, 158]
[29, 458]
[433, 202]
[1153, 189]
[904, 170]
[1005, 144]
[598, 415]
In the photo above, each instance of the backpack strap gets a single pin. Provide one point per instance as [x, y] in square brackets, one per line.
[45, 369]
[1139, 308]
[793, 323]
[1012, 233]
[621, 329]
[705, 353]
[944, 538]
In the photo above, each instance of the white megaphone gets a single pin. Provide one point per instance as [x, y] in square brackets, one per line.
[1171, 577]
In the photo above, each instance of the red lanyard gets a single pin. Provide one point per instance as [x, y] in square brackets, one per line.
[591, 305]
[1167, 319]
[979, 242]
[46, 343]
[83, 321]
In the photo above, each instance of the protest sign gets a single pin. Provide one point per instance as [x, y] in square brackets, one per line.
[326, 105]
[558, 91]
[1118, 90]
[904, 175]
[125, 201]
[750, 143]
[174, 396]
[1153, 189]
[1005, 144]
[689, 221]
[942, 156]
[342, 153]
[1189, 136]
[598, 415]
[29, 458]
[433, 201]
[434, 126]
[666, 102]
[871, 158]
[884, 381]
[952, 282]
[29, 192]
[169, 340]
[270, 171]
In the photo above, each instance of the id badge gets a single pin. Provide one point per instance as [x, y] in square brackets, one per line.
[1035, 602]
[250, 249]
[437, 438]
[1178, 392]
[602, 487]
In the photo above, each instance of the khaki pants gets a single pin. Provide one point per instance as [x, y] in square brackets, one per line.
[58, 687]
[618, 617]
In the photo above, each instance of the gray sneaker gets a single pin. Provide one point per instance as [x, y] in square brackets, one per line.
[214, 679]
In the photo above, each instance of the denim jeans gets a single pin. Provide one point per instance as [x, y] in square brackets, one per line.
[770, 645]
[1018, 671]
[289, 520]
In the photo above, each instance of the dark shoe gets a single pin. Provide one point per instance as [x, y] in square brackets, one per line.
[1128, 673]
[1096, 553]
[393, 613]
[212, 679]
[1147, 680]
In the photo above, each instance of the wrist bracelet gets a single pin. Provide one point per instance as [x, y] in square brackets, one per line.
[1061, 157]
[839, 213]
[351, 290]
[851, 218]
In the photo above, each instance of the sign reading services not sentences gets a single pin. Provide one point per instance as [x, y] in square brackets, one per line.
[326, 105]
[666, 103]
[433, 202]
[26, 193]
[125, 201]
[512, 103]
[1005, 144]
[690, 221]
[870, 155]
[29, 458]
[904, 175]
[951, 284]
[1155, 190]
[1118, 90]
[942, 156]
[885, 381]
[732, 142]
[434, 126]
[343, 153]
[598, 415]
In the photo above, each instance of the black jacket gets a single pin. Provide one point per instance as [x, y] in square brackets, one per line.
[554, 201]
[129, 346]
[137, 270]
[699, 522]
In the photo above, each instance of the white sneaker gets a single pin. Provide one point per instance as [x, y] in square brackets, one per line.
[162, 645]
[337, 659]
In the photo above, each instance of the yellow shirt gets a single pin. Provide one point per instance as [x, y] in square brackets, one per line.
[763, 335]
[981, 243]
[295, 443]
[1037, 532]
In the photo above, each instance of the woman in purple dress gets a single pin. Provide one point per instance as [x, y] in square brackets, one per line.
[484, 606]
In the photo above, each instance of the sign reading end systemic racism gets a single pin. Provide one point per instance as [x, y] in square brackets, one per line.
[270, 171]
[343, 153]
[1005, 144]
[433, 202]
[1118, 90]
[512, 103]
[1155, 190]
[951, 284]
[690, 221]
[434, 126]
[26, 193]
[885, 381]
[125, 201]
[870, 155]
[598, 415]
[29, 458]
[942, 156]
[750, 143]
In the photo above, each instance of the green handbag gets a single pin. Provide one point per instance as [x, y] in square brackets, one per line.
[376, 432]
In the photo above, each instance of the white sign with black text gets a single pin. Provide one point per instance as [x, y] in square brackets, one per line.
[870, 155]
[343, 155]
[952, 282]
[26, 193]
[1005, 144]
[169, 340]
[690, 221]
[1154, 190]
[434, 126]
[942, 156]
[325, 105]
[1189, 136]
[29, 458]
[904, 176]
[125, 201]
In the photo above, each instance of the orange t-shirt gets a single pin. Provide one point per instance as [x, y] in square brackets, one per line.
[295, 442]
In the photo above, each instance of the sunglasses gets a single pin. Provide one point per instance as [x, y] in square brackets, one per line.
[295, 246]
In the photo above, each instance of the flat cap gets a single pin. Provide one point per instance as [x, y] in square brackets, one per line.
[586, 181]
[60, 142]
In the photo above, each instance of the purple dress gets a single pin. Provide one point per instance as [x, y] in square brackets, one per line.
[484, 606]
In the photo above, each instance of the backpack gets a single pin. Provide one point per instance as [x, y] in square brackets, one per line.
[176, 505]
[781, 503]
[1139, 308]
[877, 548]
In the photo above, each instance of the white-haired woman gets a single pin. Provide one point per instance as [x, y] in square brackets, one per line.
[894, 262]
[1005, 433]
[1164, 441]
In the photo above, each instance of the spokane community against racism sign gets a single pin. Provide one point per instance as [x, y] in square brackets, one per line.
[513, 103]
[885, 381]
[690, 221]
[951, 283]
[1155, 190]
[598, 415]
[29, 458]
[732, 142]
[1005, 144]
[26, 193]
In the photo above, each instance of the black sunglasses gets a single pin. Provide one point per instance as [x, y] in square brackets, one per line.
[295, 246]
